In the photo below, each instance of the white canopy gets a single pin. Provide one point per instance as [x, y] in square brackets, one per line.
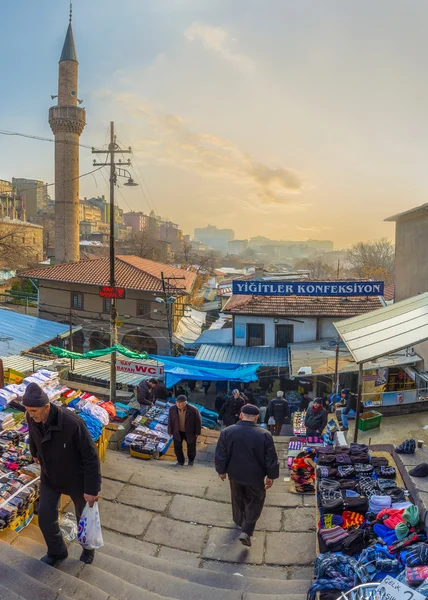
[386, 330]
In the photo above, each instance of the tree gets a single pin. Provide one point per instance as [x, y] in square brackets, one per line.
[146, 245]
[317, 268]
[17, 249]
[372, 260]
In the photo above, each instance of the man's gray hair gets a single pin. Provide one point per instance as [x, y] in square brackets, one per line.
[280, 394]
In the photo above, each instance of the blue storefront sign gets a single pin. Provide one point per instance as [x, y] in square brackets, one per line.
[308, 288]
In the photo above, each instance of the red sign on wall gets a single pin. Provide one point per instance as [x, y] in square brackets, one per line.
[111, 292]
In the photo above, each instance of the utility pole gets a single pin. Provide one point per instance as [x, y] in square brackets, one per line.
[168, 306]
[113, 149]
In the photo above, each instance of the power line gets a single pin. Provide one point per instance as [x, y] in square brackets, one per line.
[41, 138]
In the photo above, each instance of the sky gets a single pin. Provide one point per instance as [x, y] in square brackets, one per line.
[292, 119]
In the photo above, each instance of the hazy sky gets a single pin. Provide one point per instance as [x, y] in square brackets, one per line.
[293, 119]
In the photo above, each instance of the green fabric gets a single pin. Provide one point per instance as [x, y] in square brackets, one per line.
[411, 515]
[61, 353]
[401, 530]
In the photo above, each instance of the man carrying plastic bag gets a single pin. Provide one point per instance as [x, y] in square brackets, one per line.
[61, 444]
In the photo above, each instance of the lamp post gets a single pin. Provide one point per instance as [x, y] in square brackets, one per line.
[113, 149]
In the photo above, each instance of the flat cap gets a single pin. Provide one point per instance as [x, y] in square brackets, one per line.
[250, 409]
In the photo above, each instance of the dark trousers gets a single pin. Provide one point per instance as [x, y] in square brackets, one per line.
[278, 426]
[178, 448]
[48, 517]
[247, 505]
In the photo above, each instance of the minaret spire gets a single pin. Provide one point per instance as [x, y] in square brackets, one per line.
[71, 12]
[69, 49]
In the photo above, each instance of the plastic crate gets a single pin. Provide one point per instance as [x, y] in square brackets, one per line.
[369, 420]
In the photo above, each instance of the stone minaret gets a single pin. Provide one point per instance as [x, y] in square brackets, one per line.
[67, 121]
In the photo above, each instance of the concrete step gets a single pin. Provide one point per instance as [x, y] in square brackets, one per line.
[40, 572]
[24, 586]
[206, 576]
[6, 594]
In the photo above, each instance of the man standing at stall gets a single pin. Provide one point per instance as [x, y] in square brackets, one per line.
[145, 394]
[61, 444]
[246, 453]
[184, 424]
[350, 407]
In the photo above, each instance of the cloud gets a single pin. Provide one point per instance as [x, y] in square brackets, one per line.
[168, 139]
[217, 40]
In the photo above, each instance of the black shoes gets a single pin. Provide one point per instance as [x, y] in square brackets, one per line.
[191, 463]
[177, 464]
[344, 429]
[245, 539]
[87, 556]
[51, 560]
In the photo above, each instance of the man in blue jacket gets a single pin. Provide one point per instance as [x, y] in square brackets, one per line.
[246, 453]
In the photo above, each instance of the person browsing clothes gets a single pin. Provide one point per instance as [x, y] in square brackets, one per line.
[316, 418]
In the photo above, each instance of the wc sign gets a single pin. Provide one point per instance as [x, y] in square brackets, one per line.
[140, 368]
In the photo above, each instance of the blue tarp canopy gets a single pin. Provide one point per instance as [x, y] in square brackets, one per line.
[187, 367]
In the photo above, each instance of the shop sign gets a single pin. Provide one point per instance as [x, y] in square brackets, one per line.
[308, 288]
[107, 291]
[391, 589]
[140, 368]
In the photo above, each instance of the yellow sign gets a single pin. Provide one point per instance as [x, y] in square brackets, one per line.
[119, 323]
[12, 376]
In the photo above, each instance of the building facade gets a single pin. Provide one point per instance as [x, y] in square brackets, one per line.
[33, 193]
[214, 238]
[72, 293]
[67, 121]
[28, 237]
[280, 321]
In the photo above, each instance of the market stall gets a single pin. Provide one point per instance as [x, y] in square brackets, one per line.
[367, 524]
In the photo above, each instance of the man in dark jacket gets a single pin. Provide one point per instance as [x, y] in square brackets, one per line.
[231, 409]
[160, 391]
[350, 407]
[145, 394]
[278, 409]
[61, 444]
[184, 423]
[246, 453]
[316, 418]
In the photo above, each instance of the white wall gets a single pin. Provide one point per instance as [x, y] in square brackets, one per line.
[303, 332]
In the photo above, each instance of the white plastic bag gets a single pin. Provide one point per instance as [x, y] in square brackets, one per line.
[89, 531]
[271, 421]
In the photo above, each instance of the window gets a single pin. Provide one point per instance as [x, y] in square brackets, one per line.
[255, 334]
[143, 308]
[284, 335]
[77, 300]
[106, 305]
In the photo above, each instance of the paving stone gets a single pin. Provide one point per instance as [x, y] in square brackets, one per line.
[128, 520]
[412, 460]
[148, 499]
[299, 519]
[284, 499]
[176, 486]
[33, 532]
[130, 543]
[302, 573]
[290, 549]
[308, 500]
[218, 492]
[110, 489]
[223, 545]
[175, 534]
[117, 472]
[258, 571]
[208, 512]
[190, 559]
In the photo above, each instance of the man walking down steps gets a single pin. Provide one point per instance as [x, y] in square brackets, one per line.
[246, 453]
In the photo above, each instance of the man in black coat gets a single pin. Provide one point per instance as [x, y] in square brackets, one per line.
[246, 453]
[160, 391]
[61, 444]
[278, 409]
[145, 394]
[184, 424]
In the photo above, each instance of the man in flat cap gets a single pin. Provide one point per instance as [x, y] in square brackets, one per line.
[61, 444]
[246, 453]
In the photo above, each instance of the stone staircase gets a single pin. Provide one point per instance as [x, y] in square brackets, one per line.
[168, 533]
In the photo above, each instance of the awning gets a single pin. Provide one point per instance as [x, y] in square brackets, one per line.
[189, 327]
[319, 358]
[386, 330]
[263, 355]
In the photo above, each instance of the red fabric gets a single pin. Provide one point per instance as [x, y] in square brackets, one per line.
[393, 517]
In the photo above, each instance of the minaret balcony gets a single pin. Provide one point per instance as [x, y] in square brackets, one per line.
[70, 119]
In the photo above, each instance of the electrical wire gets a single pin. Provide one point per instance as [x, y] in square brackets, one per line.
[44, 139]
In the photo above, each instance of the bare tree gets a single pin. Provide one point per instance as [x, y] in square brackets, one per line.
[146, 245]
[317, 268]
[17, 248]
[374, 260]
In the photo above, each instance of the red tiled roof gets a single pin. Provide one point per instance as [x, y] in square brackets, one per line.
[131, 272]
[301, 306]
[389, 292]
